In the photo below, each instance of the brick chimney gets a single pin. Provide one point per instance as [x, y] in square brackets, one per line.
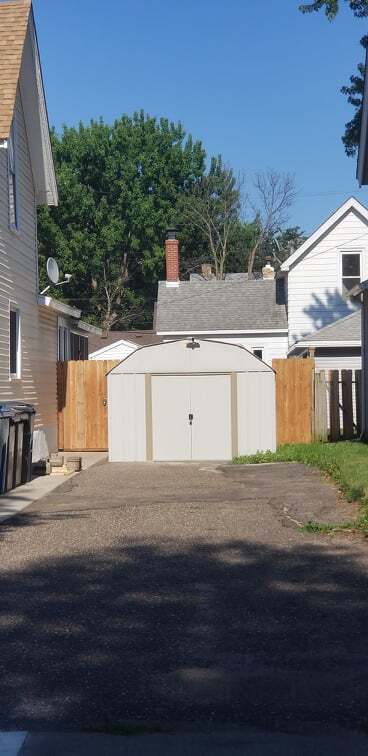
[268, 272]
[172, 258]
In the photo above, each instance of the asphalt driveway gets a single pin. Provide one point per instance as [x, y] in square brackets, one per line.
[183, 595]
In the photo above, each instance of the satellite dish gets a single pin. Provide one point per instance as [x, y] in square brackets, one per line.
[52, 270]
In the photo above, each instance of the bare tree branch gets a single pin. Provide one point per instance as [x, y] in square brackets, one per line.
[276, 193]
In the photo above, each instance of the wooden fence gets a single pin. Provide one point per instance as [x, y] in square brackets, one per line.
[294, 400]
[338, 405]
[309, 405]
[82, 404]
[321, 406]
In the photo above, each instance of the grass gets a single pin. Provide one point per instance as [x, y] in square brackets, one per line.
[345, 462]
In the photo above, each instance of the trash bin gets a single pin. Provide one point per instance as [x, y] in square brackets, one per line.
[6, 416]
[20, 442]
[25, 441]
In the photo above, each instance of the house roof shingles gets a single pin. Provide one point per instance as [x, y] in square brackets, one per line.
[229, 305]
[344, 330]
[14, 18]
[140, 338]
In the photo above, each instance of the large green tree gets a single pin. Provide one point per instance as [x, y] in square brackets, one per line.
[354, 90]
[119, 187]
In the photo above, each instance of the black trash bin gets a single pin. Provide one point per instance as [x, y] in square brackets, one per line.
[20, 442]
[25, 445]
[6, 417]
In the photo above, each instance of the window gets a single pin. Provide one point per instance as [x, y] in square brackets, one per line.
[14, 344]
[350, 271]
[63, 343]
[78, 347]
[258, 353]
[12, 180]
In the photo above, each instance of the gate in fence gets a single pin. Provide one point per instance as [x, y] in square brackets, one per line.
[82, 404]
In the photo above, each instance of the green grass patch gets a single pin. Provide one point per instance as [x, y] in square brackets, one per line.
[345, 462]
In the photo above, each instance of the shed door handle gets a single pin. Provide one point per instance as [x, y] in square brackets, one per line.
[190, 418]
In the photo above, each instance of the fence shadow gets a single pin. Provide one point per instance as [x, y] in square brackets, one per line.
[240, 633]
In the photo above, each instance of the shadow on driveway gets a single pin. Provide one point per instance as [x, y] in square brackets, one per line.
[236, 633]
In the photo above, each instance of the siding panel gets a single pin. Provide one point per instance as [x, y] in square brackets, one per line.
[19, 285]
[314, 284]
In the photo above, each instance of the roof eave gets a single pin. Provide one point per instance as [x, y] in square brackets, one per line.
[351, 204]
[58, 306]
[362, 163]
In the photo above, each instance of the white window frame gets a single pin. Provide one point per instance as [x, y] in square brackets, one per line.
[349, 252]
[13, 177]
[17, 375]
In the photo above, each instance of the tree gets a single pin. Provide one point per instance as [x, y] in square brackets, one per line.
[354, 91]
[212, 206]
[119, 187]
[331, 7]
[275, 195]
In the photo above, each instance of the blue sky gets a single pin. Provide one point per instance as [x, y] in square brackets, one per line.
[256, 81]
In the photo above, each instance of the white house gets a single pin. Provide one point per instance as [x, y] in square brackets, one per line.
[320, 277]
[116, 345]
[249, 313]
[34, 329]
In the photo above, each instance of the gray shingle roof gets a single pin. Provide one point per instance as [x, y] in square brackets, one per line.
[230, 305]
[345, 329]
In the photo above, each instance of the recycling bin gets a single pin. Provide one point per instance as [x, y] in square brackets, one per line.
[20, 442]
[6, 416]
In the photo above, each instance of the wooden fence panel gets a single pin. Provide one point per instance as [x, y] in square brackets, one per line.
[334, 405]
[358, 401]
[347, 404]
[82, 404]
[320, 407]
[294, 400]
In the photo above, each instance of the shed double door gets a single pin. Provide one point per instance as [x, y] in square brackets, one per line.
[191, 417]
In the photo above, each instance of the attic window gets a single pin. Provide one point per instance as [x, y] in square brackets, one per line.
[12, 179]
[350, 271]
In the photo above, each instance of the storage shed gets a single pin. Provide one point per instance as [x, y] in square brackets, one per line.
[190, 399]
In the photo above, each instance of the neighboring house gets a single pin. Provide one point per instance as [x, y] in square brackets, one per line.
[249, 313]
[335, 347]
[321, 276]
[325, 268]
[116, 345]
[33, 329]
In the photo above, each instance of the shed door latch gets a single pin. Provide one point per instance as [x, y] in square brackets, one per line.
[190, 418]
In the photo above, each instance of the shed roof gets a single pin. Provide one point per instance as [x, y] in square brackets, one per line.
[219, 306]
[191, 356]
[137, 337]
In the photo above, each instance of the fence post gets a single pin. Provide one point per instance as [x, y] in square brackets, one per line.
[347, 404]
[334, 405]
[320, 407]
[358, 400]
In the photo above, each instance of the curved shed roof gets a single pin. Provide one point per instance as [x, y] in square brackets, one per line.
[191, 356]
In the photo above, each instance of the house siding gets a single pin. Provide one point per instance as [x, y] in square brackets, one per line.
[19, 286]
[338, 359]
[314, 282]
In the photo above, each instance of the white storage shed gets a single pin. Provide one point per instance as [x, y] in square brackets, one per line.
[190, 399]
